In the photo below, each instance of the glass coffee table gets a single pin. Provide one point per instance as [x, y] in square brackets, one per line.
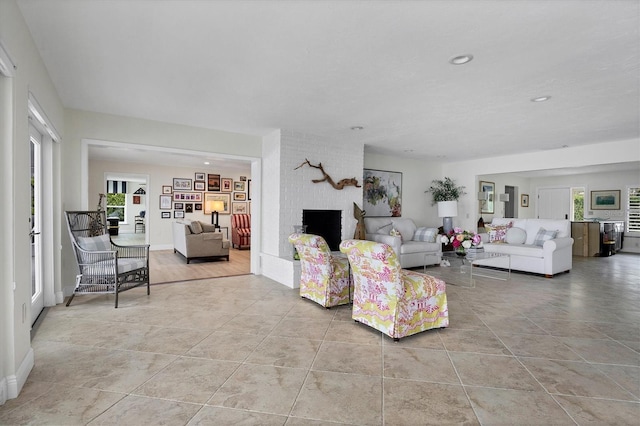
[495, 266]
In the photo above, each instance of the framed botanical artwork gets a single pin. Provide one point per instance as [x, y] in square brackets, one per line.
[382, 193]
[178, 206]
[197, 206]
[165, 202]
[227, 184]
[605, 200]
[166, 189]
[200, 176]
[187, 196]
[249, 190]
[239, 186]
[524, 200]
[178, 214]
[239, 196]
[225, 198]
[199, 186]
[188, 207]
[238, 208]
[213, 183]
[182, 184]
[165, 215]
[488, 189]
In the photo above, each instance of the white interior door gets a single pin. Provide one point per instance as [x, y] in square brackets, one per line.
[553, 203]
[37, 293]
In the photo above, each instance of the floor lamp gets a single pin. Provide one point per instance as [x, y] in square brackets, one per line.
[214, 206]
[447, 210]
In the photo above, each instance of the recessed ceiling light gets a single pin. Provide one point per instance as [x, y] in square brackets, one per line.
[541, 99]
[206, 163]
[460, 60]
[357, 128]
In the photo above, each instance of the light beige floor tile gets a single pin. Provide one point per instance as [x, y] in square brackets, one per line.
[188, 380]
[537, 346]
[599, 411]
[285, 352]
[419, 364]
[307, 328]
[493, 371]
[137, 410]
[226, 346]
[626, 376]
[468, 321]
[502, 324]
[603, 351]
[429, 339]
[227, 416]
[574, 378]
[563, 328]
[251, 324]
[352, 358]
[516, 407]
[418, 403]
[353, 332]
[472, 341]
[346, 398]
[262, 388]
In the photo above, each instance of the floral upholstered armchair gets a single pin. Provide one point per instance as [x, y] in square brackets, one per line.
[324, 277]
[395, 301]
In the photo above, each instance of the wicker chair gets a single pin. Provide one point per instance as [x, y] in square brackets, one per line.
[241, 231]
[104, 267]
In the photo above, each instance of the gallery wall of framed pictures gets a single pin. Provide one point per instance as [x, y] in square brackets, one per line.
[188, 195]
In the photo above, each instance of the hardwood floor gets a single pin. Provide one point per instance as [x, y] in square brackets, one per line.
[165, 266]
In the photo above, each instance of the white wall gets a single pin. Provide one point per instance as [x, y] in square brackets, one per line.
[16, 356]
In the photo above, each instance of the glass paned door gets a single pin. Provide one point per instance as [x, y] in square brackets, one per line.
[37, 295]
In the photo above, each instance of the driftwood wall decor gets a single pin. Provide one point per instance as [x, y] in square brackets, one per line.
[326, 178]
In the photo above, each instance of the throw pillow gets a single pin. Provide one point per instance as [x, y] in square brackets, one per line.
[395, 233]
[515, 236]
[427, 235]
[544, 235]
[207, 227]
[497, 233]
[196, 227]
[99, 243]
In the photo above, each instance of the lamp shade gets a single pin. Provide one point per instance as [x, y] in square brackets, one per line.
[504, 197]
[447, 208]
[215, 205]
[483, 196]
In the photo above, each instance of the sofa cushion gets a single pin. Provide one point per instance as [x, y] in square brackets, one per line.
[406, 227]
[497, 232]
[97, 243]
[196, 227]
[544, 235]
[419, 247]
[427, 235]
[515, 250]
[515, 236]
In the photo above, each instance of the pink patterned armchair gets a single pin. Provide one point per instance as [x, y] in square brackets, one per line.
[241, 231]
[325, 277]
[395, 301]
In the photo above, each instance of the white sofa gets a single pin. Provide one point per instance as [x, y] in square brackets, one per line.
[412, 253]
[552, 257]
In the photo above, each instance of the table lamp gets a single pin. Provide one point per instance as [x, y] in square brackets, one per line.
[214, 206]
[447, 210]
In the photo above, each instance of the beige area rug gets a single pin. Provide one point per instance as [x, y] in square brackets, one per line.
[166, 266]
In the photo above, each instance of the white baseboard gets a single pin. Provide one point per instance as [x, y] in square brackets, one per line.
[11, 386]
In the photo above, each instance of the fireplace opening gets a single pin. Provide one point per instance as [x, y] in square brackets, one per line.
[326, 223]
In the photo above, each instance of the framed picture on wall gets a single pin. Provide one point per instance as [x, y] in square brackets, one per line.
[178, 214]
[213, 183]
[239, 186]
[182, 184]
[199, 186]
[165, 215]
[239, 208]
[200, 176]
[165, 202]
[239, 196]
[605, 200]
[227, 184]
[249, 190]
[524, 200]
[488, 189]
[382, 193]
[166, 189]
[197, 206]
[178, 206]
[225, 198]
[188, 207]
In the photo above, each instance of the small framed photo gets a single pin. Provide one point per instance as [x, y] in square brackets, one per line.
[199, 186]
[165, 215]
[239, 186]
[239, 196]
[136, 199]
[182, 184]
[178, 206]
[213, 183]
[165, 202]
[226, 185]
[239, 208]
[178, 214]
[524, 200]
[243, 178]
[187, 196]
[605, 200]
[188, 208]
[197, 206]
[166, 189]
[200, 176]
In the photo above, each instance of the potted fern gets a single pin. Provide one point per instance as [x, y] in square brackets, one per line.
[446, 194]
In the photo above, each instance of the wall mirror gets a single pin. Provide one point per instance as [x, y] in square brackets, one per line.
[487, 196]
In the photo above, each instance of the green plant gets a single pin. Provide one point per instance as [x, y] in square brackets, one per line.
[445, 190]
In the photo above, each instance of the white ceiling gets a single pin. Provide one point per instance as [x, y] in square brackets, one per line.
[322, 67]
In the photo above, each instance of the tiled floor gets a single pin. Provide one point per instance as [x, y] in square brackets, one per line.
[246, 350]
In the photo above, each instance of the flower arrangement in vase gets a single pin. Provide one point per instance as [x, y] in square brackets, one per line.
[462, 240]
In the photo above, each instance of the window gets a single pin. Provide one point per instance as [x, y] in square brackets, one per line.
[577, 209]
[633, 209]
[116, 205]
